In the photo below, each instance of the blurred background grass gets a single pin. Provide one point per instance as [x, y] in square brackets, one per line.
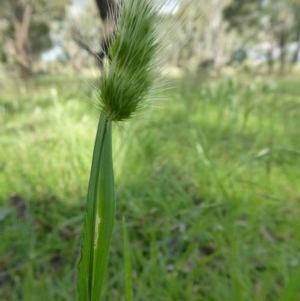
[208, 180]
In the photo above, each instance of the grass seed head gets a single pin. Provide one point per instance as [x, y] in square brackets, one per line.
[132, 71]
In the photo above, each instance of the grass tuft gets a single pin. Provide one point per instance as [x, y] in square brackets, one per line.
[190, 237]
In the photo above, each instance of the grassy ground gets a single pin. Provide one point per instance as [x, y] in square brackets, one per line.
[208, 181]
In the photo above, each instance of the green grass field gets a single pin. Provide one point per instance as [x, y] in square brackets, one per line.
[208, 181]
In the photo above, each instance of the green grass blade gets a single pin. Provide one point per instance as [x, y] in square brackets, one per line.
[127, 265]
[99, 217]
[292, 288]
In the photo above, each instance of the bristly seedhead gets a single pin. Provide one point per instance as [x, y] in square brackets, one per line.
[132, 71]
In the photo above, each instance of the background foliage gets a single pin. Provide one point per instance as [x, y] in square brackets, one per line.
[267, 31]
[208, 183]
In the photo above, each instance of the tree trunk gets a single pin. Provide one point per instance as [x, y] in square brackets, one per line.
[296, 53]
[109, 12]
[108, 9]
[282, 47]
[23, 13]
[270, 59]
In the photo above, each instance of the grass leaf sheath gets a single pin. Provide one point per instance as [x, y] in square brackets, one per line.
[99, 218]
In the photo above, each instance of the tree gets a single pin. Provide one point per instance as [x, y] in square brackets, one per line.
[274, 18]
[200, 42]
[108, 11]
[29, 27]
[296, 28]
